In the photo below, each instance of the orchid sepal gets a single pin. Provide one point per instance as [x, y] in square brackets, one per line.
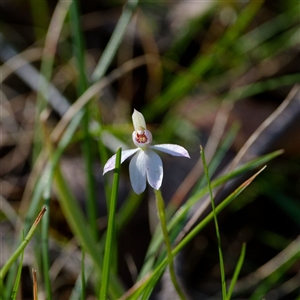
[171, 149]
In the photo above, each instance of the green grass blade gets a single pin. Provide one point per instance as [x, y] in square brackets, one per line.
[110, 228]
[222, 268]
[17, 282]
[237, 271]
[220, 153]
[184, 209]
[79, 50]
[218, 209]
[79, 290]
[195, 231]
[115, 40]
[21, 247]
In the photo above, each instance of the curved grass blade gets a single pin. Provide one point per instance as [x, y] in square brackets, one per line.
[154, 276]
[237, 271]
[181, 214]
[21, 247]
[115, 40]
[222, 268]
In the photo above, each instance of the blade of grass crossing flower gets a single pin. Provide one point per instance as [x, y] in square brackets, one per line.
[162, 216]
[110, 229]
[21, 247]
[78, 46]
[237, 271]
[17, 282]
[222, 269]
[115, 40]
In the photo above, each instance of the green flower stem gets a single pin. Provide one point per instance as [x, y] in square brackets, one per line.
[222, 269]
[110, 229]
[20, 249]
[162, 216]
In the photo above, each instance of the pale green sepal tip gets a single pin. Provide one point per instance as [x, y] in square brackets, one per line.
[138, 121]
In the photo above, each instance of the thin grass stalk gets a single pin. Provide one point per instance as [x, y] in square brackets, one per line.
[110, 236]
[78, 48]
[222, 268]
[115, 40]
[21, 247]
[236, 271]
[162, 216]
[18, 277]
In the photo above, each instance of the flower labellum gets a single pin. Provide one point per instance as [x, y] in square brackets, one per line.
[146, 165]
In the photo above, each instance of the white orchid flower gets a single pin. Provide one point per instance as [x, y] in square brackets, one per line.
[146, 165]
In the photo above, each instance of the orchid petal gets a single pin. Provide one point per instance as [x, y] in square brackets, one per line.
[137, 172]
[154, 169]
[138, 121]
[111, 163]
[172, 149]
